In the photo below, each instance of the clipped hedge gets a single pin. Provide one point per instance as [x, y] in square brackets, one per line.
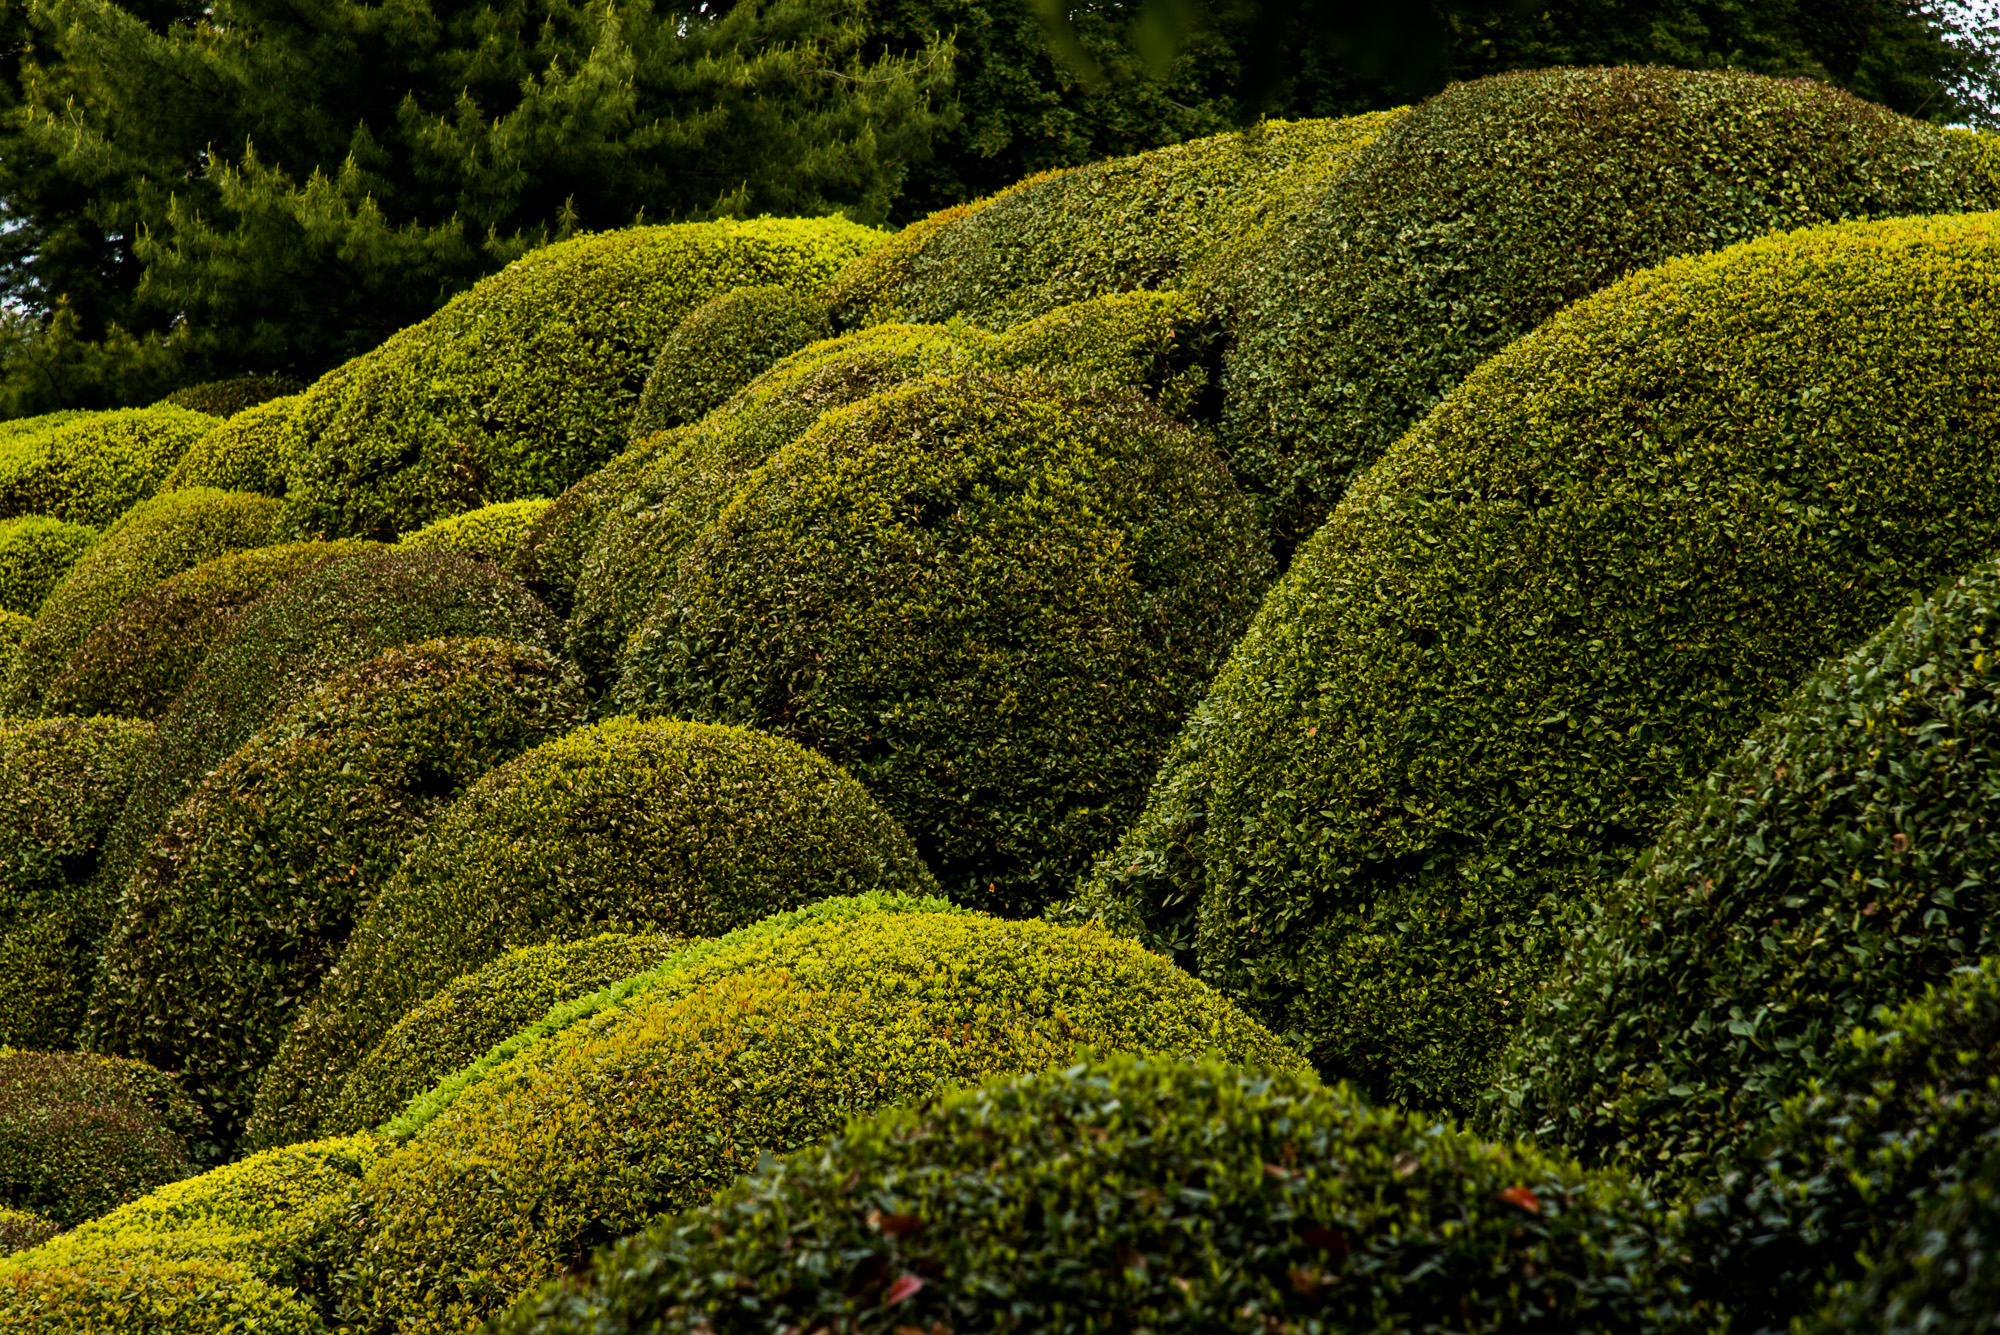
[227, 398]
[82, 1133]
[245, 453]
[158, 538]
[1553, 607]
[92, 469]
[21, 1229]
[655, 1105]
[34, 553]
[247, 894]
[991, 598]
[527, 382]
[624, 826]
[465, 1018]
[490, 533]
[1935, 1275]
[721, 347]
[549, 555]
[1189, 215]
[1128, 1194]
[13, 629]
[62, 783]
[1841, 860]
[1483, 212]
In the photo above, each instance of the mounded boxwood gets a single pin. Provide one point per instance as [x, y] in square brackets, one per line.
[1127, 1194]
[490, 533]
[1841, 860]
[721, 347]
[991, 598]
[672, 827]
[527, 382]
[34, 552]
[227, 398]
[13, 629]
[159, 537]
[245, 453]
[21, 1229]
[136, 662]
[82, 1133]
[62, 783]
[1554, 606]
[476, 1010]
[654, 1105]
[247, 894]
[1935, 1275]
[549, 555]
[1484, 211]
[92, 469]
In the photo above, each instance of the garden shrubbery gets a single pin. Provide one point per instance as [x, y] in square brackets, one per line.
[490, 533]
[35, 551]
[82, 1133]
[723, 346]
[245, 453]
[92, 468]
[22, 1229]
[227, 398]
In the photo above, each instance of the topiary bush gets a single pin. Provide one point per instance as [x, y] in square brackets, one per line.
[136, 662]
[34, 553]
[625, 826]
[248, 452]
[227, 398]
[1134, 1194]
[1483, 212]
[549, 555]
[20, 1230]
[655, 1105]
[722, 346]
[92, 469]
[159, 537]
[476, 1010]
[81, 1133]
[1554, 606]
[13, 629]
[1935, 1273]
[62, 783]
[1841, 860]
[489, 534]
[527, 382]
[991, 598]
[247, 894]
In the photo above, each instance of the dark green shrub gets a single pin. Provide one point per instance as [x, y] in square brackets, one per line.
[227, 398]
[654, 1105]
[34, 553]
[1128, 1194]
[157, 538]
[20, 1230]
[246, 453]
[991, 598]
[527, 382]
[136, 662]
[1554, 606]
[62, 783]
[247, 894]
[550, 553]
[490, 533]
[626, 826]
[92, 469]
[1840, 861]
[13, 629]
[721, 347]
[81, 1133]
[1935, 1275]
[1495, 204]
[476, 1010]
[1186, 216]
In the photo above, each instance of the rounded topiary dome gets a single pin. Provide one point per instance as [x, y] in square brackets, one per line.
[35, 551]
[245, 453]
[490, 533]
[247, 894]
[1839, 862]
[82, 1133]
[723, 346]
[1486, 210]
[990, 597]
[92, 468]
[673, 827]
[655, 1104]
[230, 398]
[1553, 607]
[527, 382]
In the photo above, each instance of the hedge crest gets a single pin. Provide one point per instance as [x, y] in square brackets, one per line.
[722, 346]
[93, 467]
[35, 551]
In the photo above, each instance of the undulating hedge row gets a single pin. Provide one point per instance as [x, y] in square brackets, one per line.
[490, 533]
[34, 552]
[82, 1133]
[92, 468]
[722, 346]
[248, 452]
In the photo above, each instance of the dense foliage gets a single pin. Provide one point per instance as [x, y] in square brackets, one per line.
[490, 533]
[227, 398]
[93, 468]
[247, 452]
[723, 346]
[22, 1229]
[35, 551]
[81, 1133]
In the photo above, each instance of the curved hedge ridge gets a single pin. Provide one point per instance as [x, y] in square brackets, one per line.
[22, 1229]
[721, 347]
[1557, 604]
[672, 827]
[1130, 1194]
[245, 453]
[1841, 860]
[159, 537]
[655, 1105]
[527, 382]
[476, 1010]
[34, 553]
[62, 783]
[490, 533]
[247, 894]
[1495, 204]
[93, 468]
[228, 398]
[991, 598]
[549, 554]
[81, 1134]
[1936, 1274]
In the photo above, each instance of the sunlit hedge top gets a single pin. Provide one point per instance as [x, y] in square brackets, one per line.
[527, 382]
[245, 453]
[488, 534]
[92, 468]
[1484, 211]
[723, 346]
[35, 551]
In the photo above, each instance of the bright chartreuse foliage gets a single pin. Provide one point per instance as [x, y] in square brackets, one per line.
[92, 468]
[248, 452]
[488, 534]
[35, 552]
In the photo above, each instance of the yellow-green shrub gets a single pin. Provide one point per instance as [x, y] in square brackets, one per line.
[550, 553]
[489, 533]
[34, 552]
[245, 453]
[22, 1229]
[626, 826]
[82, 1133]
[92, 469]
[721, 347]
[228, 398]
